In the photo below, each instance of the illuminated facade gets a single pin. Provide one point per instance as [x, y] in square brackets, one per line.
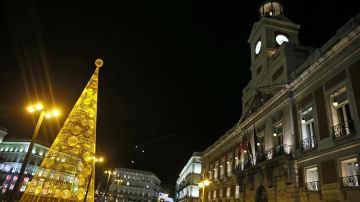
[68, 167]
[11, 154]
[134, 185]
[298, 138]
[187, 188]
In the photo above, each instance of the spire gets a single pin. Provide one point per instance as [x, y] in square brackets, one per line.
[66, 169]
[270, 8]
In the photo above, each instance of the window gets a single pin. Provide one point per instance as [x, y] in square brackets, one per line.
[228, 192]
[277, 134]
[237, 192]
[350, 172]
[229, 164]
[312, 179]
[220, 193]
[222, 167]
[340, 113]
[209, 195]
[214, 194]
[307, 129]
[216, 170]
[260, 143]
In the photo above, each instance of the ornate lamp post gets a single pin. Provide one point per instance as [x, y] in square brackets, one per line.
[43, 114]
[109, 172]
[93, 161]
[202, 184]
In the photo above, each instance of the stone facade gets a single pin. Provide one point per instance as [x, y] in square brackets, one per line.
[299, 135]
[187, 185]
[134, 185]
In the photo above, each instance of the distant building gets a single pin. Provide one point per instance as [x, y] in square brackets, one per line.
[298, 138]
[164, 197]
[187, 185]
[12, 152]
[134, 185]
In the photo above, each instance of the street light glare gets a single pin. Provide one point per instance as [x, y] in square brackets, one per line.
[55, 112]
[48, 115]
[39, 106]
[30, 109]
[201, 185]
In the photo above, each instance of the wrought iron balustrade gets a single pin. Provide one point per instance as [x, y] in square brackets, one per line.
[342, 129]
[261, 157]
[350, 181]
[312, 186]
[278, 150]
[308, 143]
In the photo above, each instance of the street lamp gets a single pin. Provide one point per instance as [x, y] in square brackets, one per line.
[202, 184]
[93, 160]
[43, 113]
[109, 172]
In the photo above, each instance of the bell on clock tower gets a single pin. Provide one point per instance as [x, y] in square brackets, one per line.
[270, 8]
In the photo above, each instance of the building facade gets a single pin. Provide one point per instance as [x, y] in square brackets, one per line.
[187, 185]
[298, 138]
[134, 185]
[12, 152]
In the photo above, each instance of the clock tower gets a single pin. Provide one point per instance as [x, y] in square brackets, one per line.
[275, 50]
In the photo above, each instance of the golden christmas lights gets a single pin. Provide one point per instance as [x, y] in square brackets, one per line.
[66, 169]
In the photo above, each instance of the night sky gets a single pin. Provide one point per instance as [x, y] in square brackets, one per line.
[173, 70]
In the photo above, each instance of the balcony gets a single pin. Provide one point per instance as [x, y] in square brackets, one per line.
[278, 150]
[342, 129]
[282, 149]
[312, 186]
[350, 181]
[308, 144]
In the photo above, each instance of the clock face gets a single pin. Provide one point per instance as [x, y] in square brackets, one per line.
[280, 38]
[257, 47]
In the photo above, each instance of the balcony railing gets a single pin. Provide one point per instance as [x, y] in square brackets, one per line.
[342, 129]
[312, 186]
[261, 157]
[350, 181]
[278, 150]
[308, 144]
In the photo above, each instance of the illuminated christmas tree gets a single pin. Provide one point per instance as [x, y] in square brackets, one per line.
[65, 172]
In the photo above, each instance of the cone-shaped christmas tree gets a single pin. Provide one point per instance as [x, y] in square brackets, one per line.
[66, 170]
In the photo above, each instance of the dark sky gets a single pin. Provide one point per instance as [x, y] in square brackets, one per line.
[173, 74]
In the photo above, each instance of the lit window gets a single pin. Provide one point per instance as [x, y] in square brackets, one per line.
[23, 188]
[228, 191]
[127, 183]
[229, 164]
[220, 193]
[237, 191]
[350, 172]
[216, 170]
[222, 167]
[340, 113]
[312, 179]
[214, 194]
[307, 129]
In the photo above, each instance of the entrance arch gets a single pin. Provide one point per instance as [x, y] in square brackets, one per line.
[261, 195]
